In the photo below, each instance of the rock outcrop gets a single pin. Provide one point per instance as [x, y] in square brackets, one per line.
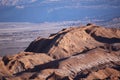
[80, 53]
[74, 40]
[24, 61]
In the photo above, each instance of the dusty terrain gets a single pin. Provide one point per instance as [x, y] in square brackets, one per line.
[88, 52]
[16, 36]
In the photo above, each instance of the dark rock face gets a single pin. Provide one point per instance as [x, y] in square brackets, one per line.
[81, 53]
[38, 45]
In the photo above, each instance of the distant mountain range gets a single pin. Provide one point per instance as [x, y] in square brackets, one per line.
[15, 2]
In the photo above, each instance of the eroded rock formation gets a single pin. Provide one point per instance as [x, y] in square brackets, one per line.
[80, 53]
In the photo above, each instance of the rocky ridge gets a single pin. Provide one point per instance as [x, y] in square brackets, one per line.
[78, 53]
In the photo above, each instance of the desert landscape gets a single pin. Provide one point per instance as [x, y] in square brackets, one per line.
[88, 52]
[15, 37]
[59, 39]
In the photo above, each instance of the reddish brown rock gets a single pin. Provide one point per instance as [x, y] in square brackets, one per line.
[25, 60]
[78, 63]
[80, 53]
[107, 73]
[75, 40]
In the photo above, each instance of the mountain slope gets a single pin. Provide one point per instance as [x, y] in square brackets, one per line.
[75, 40]
[80, 53]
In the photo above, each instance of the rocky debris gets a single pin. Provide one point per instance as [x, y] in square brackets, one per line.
[3, 70]
[24, 60]
[116, 46]
[2, 77]
[80, 53]
[105, 74]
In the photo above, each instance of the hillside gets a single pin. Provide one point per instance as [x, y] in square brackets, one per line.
[88, 52]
